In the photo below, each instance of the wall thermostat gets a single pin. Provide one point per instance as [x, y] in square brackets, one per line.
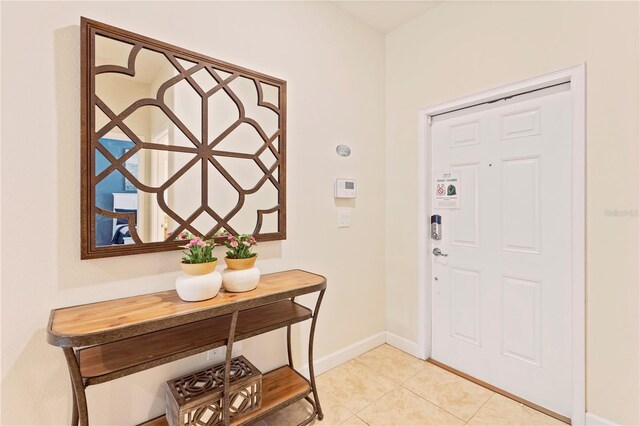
[345, 188]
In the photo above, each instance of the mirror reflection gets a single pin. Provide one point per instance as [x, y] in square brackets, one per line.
[181, 146]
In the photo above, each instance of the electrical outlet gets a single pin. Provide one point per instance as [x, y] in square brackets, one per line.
[218, 354]
[212, 354]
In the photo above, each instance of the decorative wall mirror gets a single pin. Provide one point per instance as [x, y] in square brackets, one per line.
[175, 141]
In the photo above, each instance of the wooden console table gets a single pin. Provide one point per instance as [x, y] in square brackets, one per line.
[107, 340]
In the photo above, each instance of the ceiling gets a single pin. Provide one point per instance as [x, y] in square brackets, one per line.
[386, 16]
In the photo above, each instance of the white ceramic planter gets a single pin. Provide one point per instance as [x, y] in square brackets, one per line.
[193, 288]
[240, 280]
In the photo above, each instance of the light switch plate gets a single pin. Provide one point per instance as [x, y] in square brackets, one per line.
[344, 218]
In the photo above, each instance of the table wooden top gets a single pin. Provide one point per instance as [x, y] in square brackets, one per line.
[116, 319]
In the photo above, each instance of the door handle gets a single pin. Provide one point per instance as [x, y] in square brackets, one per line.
[438, 252]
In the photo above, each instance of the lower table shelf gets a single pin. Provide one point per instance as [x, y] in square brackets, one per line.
[280, 387]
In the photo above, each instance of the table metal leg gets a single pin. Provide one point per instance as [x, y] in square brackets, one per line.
[74, 408]
[289, 355]
[226, 405]
[80, 413]
[312, 375]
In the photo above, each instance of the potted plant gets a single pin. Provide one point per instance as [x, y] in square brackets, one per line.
[240, 255]
[199, 280]
[199, 258]
[241, 274]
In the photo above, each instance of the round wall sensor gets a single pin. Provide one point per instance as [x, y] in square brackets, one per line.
[343, 150]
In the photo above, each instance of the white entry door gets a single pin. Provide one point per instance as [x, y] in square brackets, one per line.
[501, 298]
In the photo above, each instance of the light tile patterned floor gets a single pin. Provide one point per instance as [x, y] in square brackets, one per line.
[386, 387]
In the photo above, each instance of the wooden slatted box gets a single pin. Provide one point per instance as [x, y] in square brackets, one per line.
[196, 399]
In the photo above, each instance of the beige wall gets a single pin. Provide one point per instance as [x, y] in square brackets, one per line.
[334, 66]
[461, 48]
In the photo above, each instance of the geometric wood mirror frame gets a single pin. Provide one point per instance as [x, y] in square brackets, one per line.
[175, 143]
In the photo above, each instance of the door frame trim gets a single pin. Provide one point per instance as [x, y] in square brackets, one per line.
[575, 75]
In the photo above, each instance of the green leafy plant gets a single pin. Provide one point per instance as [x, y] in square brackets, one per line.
[199, 251]
[239, 246]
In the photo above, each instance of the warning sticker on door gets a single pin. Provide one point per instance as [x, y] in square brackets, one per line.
[446, 190]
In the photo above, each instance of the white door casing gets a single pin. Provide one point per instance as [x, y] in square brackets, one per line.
[508, 305]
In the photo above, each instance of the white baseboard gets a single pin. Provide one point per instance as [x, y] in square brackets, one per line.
[403, 344]
[337, 358]
[593, 420]
[354, 350]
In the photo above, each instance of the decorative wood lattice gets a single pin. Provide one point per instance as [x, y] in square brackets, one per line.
[203, 147]
[196, 399]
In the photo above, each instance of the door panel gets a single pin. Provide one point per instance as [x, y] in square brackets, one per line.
[501, 300]
[466, 133]
[521, 319]
[520, 123]
[465, 305]
[465, 223]
[520, 206]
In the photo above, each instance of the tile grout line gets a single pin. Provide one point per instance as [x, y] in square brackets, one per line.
[337, 400]
[426, 399]
[415, 374]
[361, 419]
[357, 417]
[442, 408]
[377, 399]
[399, 385]
[373, 371]
[481, 407]
[343, 406]
[436, 405]
[424, 364]
[372, 402]
[340, 404]
[402, 385]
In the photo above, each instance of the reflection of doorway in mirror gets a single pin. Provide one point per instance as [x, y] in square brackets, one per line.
[116, 144]
[136, 165]
[159, 174]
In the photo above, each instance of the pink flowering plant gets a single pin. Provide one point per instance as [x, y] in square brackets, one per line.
[239, 246]
[199, 251]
